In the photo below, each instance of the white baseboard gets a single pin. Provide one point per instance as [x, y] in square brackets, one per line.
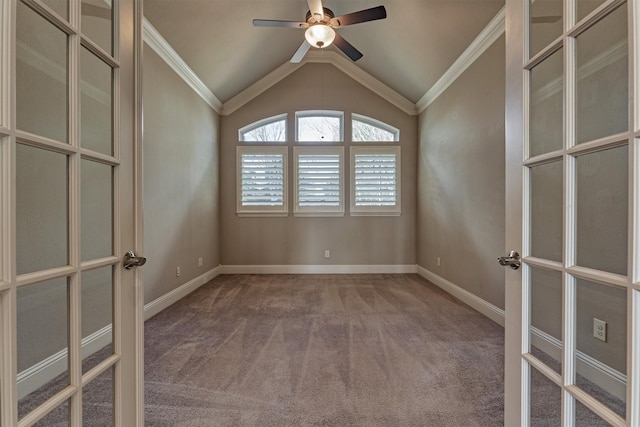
[604, 376]
[41, 373]
[44, 371]
[491, 311]
[159, 304]
[319, 269]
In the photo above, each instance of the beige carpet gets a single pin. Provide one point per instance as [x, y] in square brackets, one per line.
[322, 350]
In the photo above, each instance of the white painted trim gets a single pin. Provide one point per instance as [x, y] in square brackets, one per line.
[604, 376]
[155, 41]
[44, 371]
[336, 59]
[159, 304]
[318, 269]
[494, 29]
[491, 311]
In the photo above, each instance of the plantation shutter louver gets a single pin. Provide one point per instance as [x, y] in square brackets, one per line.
[319, 180]
[262, 179]
[375, 180]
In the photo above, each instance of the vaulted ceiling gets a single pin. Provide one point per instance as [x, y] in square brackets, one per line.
[409, 51]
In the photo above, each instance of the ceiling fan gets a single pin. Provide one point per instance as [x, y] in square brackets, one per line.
[320, 26]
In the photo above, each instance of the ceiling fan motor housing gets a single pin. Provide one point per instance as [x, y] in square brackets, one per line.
[328, 15]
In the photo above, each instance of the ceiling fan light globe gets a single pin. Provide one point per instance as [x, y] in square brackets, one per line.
[320, 35]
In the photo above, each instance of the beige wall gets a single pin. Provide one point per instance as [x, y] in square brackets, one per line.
[302, 240]
[180, 180]
[461, 180]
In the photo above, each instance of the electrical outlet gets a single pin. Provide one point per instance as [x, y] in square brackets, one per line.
[327, 253]
[177, 271]
[600, 329]
[200, 262]
[438, 261]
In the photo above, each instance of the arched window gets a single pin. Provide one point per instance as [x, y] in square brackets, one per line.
[367, 129]
[271, 129]
[319, 126]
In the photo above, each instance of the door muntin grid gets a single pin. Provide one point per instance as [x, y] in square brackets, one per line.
[592, 192]
[31, 133]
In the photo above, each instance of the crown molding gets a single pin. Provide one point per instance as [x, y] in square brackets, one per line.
[334, 58]
[155, 41]
[494, 29]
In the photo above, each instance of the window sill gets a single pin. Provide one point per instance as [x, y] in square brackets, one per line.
[261, 214]
[375, 213]
[318, 214]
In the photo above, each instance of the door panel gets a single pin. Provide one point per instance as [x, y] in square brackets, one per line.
[602, 89]
[571, 212]
[602, 187]
[545, 122]
[42, 209]
[546, 211]
[42, 72]
[546, 398]
[70, 314]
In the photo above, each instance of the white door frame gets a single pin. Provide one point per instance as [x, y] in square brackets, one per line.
[517, 362]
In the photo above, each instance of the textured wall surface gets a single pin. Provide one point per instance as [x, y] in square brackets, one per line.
[461, 180]
[180, 180]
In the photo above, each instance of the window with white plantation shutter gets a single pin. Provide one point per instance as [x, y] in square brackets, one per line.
[318, 180]
[375, 181]
[262, 180]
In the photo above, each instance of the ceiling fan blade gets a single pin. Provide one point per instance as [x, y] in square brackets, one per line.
[276, 23]
[347, 48]
[300, 53]
[357, 17]
[316, 9]
[551, 19]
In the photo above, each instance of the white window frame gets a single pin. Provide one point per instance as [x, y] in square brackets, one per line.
[264, 122]
[319, 113]
[394, 210]
[262, 210]
[375, 123]
[318, 211]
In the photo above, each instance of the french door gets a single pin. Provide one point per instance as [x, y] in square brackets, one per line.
[70, 314]
[572, 180]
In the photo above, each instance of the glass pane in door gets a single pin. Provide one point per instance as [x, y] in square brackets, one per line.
[602, 99]
[42, 204]
[97, 210]
[546, 400]
[97, 316]
[546, 317]
[59, 417]
[97, 400]
[61, 7]
[586, 417]
[41, 76]
[97, 23]
[602, 210]
[43, 330]
[601, 365]
[546, 211]
[545, 122]
[585, 7]
[546, 23]
[96, 104]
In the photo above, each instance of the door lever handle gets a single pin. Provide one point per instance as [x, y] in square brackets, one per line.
[512, 260]
[130, 260]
